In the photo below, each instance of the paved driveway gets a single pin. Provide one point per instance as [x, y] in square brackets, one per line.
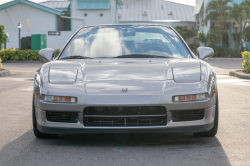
[18, 146]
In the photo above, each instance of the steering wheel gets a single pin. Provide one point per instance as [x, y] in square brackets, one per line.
[156, 48]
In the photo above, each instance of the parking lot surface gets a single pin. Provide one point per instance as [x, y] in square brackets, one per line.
[18, 145]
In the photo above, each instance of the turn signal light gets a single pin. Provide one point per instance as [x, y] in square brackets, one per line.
[190, 97]
[214, 92]
[60, 99]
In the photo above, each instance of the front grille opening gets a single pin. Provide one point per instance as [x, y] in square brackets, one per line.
[124, 110]
[67, 117]
[191, 115]
[125, 116]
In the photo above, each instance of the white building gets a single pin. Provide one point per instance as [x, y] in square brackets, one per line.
[68, 16]
[156, 12]
[200, 14]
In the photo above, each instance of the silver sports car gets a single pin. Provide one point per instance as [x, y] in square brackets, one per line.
[125, 78]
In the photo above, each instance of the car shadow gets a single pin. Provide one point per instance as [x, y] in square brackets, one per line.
[114, 149]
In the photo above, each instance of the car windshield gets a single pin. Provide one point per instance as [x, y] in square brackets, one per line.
[125, 42]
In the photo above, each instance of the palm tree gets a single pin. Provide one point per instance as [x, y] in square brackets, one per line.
[211, 37]
[219, 11]
[202, 37]
[186, 32]
[246, 8]
[236, 12]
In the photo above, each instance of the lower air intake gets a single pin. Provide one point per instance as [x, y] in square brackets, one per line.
[66, 117]
[178, 116]
[124, 116]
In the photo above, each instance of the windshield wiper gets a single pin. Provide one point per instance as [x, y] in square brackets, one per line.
[142, 56]
[77, 57]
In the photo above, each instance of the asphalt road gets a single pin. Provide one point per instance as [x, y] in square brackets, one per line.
[18, 145]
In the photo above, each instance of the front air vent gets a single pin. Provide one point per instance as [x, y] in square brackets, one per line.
[189, 115]
[66, 117]
[125, 116]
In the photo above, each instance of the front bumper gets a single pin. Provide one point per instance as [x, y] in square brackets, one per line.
[202, 125]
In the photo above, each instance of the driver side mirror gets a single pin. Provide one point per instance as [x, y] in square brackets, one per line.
[47, 54]
[205, 52]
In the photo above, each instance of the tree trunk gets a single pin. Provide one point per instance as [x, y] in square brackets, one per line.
[242, 35]
[229, 37]
[236, 40]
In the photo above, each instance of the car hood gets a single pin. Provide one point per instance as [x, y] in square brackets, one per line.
[122, 70]
[128, 70]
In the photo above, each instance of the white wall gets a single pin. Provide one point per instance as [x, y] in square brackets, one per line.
[40, 22]
[58, 42]
[93, 16]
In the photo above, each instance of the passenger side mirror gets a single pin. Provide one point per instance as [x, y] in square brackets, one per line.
[47, 54]
[205, 52]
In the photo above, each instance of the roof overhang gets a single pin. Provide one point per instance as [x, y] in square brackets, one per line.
[62, 9]
[33, 4]
[93, 4]
[158, 21]
[197, 8]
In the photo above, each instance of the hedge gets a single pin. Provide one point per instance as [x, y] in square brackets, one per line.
[193, 48]
[219, 51]
[17, 54]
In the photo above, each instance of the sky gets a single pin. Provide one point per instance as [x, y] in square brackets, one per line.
[187, 2]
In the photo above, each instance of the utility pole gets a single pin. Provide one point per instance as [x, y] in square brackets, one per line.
[19, 39]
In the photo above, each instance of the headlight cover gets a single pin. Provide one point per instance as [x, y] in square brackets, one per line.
[62, 76]
[195, 97]
[187, 74]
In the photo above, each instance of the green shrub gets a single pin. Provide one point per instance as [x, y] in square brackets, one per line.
[1, 62]
[246, 34]
[57, 52]
[17, 54]
[193, 48]
[221, 51]
[186, 32]
[212, 37]
[2, 34]
[246, 63]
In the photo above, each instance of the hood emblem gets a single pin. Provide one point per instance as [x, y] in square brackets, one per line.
[124, 90]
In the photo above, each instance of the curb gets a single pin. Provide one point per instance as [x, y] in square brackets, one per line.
[231, 59]
[239, 75]
[6, 72]
[13, 61]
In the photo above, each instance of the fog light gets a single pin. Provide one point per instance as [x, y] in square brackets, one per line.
[190, 97]
[60, 99]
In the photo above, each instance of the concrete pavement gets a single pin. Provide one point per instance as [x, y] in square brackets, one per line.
[18, 146]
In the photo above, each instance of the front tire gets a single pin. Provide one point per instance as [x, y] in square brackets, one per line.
[213, 131]
[37, 133]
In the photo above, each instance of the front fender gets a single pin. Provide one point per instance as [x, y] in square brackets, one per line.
[208, 74]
